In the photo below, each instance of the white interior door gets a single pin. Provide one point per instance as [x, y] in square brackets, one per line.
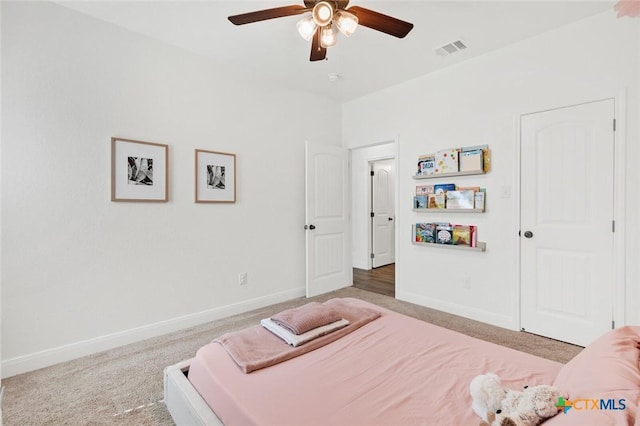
[383, 209]
[327, 223]
[567, 222]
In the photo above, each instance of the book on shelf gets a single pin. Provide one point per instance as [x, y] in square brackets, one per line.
[486, 160]
[473, 188]
[441, 188]
[473, 235]
[444, 234]
[473, 148]
[440, 200]
[486, 157]
[461, 235]
[472, 161]
[447, 161]
[431, 203]
[426, 165]
[420, 202]
[463, 199]
[478, 200]
[425, 233]
[424, 189]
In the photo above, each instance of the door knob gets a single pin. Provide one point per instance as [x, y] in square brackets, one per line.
[528, 234]
[390, 219]
[310, 227]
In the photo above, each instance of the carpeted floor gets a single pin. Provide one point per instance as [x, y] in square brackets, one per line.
[124, 386]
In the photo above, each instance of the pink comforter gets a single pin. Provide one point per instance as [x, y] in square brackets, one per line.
[395, 370]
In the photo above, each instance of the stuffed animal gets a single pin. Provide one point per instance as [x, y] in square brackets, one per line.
[487, 394]
[528, 408]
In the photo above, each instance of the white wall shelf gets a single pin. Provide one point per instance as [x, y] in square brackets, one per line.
[449, 210]
[480, 246]
[442, 175]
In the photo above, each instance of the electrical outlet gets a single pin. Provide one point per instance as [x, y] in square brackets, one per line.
[243, 278]
[505, 191]
[466, 283]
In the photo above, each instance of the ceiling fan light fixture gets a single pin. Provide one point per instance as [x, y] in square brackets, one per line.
[322, 13]
[306, 27]
[329, 36]
[346, 22]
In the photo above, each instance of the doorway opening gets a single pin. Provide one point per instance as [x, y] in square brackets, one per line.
[374, 215]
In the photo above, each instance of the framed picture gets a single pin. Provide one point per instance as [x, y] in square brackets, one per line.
[139, 171]
[215, 177]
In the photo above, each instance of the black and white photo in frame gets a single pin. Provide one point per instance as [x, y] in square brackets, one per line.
[139, 171]
[215, 177]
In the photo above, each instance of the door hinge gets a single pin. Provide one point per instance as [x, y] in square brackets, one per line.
[614, 124]
[373, 214]
[373, 173]
[613, 226]
[613, 324]
[373, 255]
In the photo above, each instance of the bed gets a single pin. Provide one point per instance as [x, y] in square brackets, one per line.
[397, 370]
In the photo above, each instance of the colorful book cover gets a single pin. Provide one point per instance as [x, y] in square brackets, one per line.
[460, 199]
[440, 200]
[426, 165]
[444, 234]
[473, 235]
[432, 203]
[441, 188]
[486, 159]
[425, 232]
[447, 161]
[461, 235]
[420, 202]
[424, 189]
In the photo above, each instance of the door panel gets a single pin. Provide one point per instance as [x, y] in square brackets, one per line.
[567, 205]
[328, 236]
[383, 203]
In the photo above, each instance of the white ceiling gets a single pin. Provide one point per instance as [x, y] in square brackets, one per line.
[367, 61]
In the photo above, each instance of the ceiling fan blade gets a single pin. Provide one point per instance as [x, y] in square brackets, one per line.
[318, 52]
[263, 15]
[378, 21]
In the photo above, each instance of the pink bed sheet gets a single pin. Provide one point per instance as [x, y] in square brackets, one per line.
[395, 370]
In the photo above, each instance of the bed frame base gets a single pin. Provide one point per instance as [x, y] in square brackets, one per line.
[183, 402]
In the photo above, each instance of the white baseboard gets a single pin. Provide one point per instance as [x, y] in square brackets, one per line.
[498, 320]
[48, 357]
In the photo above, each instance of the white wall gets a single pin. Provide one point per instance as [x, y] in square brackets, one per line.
[479, 102]
[81, 273]
[361, 199]
[1, 389]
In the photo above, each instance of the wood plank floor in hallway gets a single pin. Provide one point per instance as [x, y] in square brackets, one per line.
[378, 280]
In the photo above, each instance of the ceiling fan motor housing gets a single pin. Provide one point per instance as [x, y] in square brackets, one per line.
[323, 13]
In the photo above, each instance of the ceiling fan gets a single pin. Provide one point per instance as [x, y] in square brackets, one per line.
[323, 17]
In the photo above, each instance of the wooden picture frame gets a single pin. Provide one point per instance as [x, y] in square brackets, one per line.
[215, 174]
[139, 171]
